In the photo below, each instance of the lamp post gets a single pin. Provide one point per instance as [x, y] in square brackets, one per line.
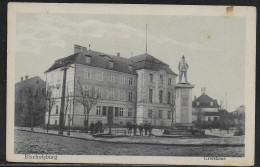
[61, 125]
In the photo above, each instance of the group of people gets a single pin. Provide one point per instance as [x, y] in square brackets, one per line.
[97, 127]
[146, 127]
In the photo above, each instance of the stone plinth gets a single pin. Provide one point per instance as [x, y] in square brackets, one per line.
[184, 103]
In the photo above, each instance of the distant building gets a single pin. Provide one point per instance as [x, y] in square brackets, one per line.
[130, 90]
[30, 101]
[206, 107]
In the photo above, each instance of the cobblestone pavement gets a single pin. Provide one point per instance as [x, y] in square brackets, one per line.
[36, 143]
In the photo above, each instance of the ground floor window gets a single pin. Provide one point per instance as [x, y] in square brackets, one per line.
[116, 111]
[104, 111]
[121, 112]
[160, 114]
[56, 122]
[98, 110]
[129, 112]
[150, 113]
[209, 118]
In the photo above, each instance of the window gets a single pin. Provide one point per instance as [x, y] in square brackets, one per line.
[104, 111]
[99, 93]
[57, 109]
[87, 73]
[100, 76]
[122, 80]
[130, 81]
[58, 76]
[160, 96]
[56, 122]
[121, 112]
[160, 114]
[211, 104]
[111, 78]
[161, 79]
[98, 110]
[198, 103]
[150, 113]
[111, 64]
[88, 59]
[209, 118]
[151, 77]
[122, 95]
[169, 115]
[215, 118]
[169, 98]
[111, 94]
[130, 67]
[116, 111]
[169, 81]
[130, 96]
[150, 95]
[129, 112]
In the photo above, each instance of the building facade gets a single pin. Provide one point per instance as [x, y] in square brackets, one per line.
[206, 108]
[30, 101]
[128, 90]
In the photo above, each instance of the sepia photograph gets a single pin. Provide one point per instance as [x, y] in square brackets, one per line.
[131, 84]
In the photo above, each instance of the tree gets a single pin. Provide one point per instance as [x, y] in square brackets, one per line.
[67, 109]
[50, 103]
[88, 97]
[171, 98]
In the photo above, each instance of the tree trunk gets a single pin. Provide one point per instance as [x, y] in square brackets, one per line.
[48, 123]
[31, 121]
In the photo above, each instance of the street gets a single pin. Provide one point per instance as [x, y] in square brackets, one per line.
[35, 143]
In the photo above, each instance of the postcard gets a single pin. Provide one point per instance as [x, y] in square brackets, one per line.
[131, 84]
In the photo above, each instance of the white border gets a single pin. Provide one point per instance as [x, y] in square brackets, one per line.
[248, 12]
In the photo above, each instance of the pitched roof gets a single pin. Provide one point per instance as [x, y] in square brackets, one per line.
[98, 59]
[121, 64]
[146, 61]
[204, 102]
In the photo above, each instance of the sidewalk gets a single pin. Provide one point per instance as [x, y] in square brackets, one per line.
[236, 141]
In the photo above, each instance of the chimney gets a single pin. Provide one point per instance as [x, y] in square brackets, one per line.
[118, 54]
[21, 79]
[26, 77]
[78, 48]
[194, 97]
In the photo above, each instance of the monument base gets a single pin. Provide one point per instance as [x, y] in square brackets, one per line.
[183, 103]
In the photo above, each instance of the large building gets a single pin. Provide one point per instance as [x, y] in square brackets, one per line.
[30, 101]
[137, 89]
[205, 107]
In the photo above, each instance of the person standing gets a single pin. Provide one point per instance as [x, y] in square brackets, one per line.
[141, 129]
[100, 126]
[96, 127]
[135, 128]
[92, 126]
[145, 128]
[150, 129]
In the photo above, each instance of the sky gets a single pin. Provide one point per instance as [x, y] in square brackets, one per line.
[214, 46]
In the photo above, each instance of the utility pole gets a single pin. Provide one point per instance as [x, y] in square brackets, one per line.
[61, 125]
[146, 39]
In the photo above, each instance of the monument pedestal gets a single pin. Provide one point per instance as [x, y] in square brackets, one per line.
[183, 103]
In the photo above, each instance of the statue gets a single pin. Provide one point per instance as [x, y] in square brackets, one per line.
[183, 67]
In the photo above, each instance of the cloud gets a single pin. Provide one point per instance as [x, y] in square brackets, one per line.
[49, 30]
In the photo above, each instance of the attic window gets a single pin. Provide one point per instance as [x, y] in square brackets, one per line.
[130, 67]
[211, 104]
[88, 59]
[111, 64]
